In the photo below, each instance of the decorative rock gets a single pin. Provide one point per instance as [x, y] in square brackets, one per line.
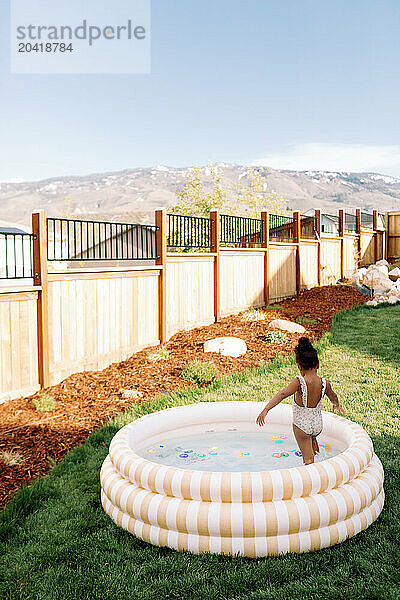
[393, 299]
[394, 273]
[377, 277]
[380, 290]
[382, 262]
[227, 346]
[131, 394]
[286, 326]
[372, 303]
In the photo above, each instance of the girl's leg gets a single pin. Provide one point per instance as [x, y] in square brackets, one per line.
[304, 442]
[315, 446]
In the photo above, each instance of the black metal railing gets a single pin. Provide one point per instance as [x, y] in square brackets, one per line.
[367, 220]
[329, 224]
[186, 232]
[76, 240]
[240, 230]
[281, 227]
[16, 255]
[350, 222]
[307, 226]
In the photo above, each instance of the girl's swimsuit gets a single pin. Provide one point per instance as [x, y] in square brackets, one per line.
[309, 420]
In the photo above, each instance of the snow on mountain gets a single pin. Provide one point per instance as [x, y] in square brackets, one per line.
[138, 192]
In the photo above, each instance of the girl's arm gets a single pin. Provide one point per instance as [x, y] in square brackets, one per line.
[288, 391]
[334, 399]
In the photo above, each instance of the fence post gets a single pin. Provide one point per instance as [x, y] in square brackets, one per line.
[39, 230]
[386, 239]
[161, 248]
[265, 244]
[215, 242]
[375, 228]
[296, 239]
[341, 235]
[358, 232]
[318, 232]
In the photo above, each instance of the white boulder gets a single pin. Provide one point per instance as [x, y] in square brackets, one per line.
[393, 299]
[377, 277]
[372, 303]
[380, 290]
[394, 273]
[227, 346]
[358, 276]
[382, 262]
[284, 325]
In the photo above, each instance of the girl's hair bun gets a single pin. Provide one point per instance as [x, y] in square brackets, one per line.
[306, 354]
[304, 342]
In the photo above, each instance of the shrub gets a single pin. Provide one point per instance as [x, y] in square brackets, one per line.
[11, 459]
[159, 354]
[275, 337]
[274, 307]
[44, 403]
[253, 314]
[305, 320]
[199, 372]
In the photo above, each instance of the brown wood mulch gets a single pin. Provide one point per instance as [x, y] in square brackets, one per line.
[85, 401]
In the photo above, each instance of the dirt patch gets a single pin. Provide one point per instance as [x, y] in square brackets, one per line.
[85, 401]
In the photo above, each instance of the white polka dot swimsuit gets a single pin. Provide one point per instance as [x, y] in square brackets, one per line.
[305, 418]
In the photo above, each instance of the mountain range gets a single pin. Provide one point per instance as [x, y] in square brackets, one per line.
[133, 194]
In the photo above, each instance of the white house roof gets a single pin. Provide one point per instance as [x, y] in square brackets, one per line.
[8, 227]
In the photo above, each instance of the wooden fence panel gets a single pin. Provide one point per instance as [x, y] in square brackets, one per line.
[330, 260]
[95, 320]
[189, 292]
[393, 232]
[349, 254]
[282, 271]
[241, 280]
[367, 248]
[19, 374]
[380, 245]
[308, 265]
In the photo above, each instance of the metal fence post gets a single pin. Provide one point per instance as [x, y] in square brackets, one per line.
[39, 231]
[161, 259]
[215, 248]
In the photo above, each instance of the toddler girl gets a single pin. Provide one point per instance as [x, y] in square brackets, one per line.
[307, 390]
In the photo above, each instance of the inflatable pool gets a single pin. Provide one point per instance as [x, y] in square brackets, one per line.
[205, 478]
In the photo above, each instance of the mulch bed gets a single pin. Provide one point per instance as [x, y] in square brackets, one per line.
[87, 400]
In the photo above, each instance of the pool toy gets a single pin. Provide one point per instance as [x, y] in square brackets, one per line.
[251, 513]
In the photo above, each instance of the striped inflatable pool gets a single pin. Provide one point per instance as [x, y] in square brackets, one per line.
[254, 514]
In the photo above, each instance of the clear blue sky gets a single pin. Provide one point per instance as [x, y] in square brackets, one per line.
[290, 83]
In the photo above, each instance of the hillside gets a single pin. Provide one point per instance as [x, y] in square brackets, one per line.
[134, 194]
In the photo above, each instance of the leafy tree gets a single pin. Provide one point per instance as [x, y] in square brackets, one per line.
[255, 198]
[249, 200]
[193, 197]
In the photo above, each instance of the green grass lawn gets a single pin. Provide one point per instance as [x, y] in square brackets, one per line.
[56, 542]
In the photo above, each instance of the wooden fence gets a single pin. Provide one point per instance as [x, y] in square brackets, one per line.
[393, 235]
[73, 320]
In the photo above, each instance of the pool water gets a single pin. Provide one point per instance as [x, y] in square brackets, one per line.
[233, 451]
